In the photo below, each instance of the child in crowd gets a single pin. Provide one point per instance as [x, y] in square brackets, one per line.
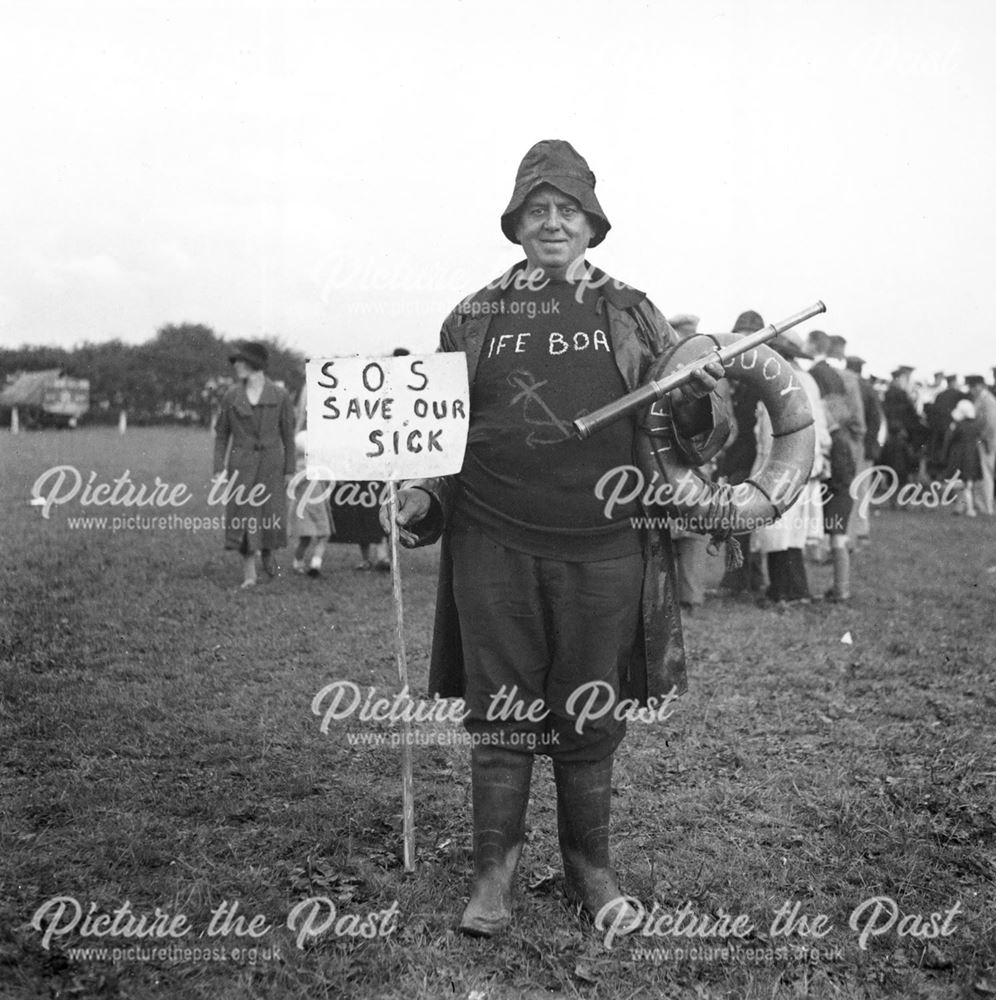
[309, 517]
[963, 454]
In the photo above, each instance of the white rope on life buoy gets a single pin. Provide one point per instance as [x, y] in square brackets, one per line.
[719, 508]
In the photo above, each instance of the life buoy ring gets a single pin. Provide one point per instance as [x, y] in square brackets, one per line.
[718, 507]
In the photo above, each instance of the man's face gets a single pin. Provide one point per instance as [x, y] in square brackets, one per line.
[553, 230]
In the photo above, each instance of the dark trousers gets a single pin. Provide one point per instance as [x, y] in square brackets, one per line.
[787, 576]
[534, 632]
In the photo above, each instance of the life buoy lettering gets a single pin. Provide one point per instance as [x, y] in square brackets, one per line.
[765, 496]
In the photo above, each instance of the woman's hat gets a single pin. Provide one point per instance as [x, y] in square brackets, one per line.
[556, 162]
[252, 352]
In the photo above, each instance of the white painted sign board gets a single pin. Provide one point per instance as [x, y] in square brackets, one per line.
[386, 418]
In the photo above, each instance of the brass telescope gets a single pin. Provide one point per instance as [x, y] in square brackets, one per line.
[655, 389]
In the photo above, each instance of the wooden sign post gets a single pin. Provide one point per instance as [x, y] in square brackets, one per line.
[389, 419]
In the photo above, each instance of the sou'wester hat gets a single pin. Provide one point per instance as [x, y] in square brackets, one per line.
[556, 162]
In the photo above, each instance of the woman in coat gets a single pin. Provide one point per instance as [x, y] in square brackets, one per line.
[254, 453]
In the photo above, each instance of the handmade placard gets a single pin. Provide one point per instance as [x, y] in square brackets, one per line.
[386, 418]
[389, 419]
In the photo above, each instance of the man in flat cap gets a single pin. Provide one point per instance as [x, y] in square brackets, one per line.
[985, 414]
[548, 596]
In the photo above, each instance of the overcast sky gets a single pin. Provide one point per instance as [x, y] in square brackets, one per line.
[333, 173]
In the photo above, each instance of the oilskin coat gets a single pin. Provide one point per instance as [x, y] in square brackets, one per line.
[638, 333]
[259, 445]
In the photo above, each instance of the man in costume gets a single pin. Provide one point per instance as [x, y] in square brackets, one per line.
[548, 596]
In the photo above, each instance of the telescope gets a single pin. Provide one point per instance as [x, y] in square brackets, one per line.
[587, 425]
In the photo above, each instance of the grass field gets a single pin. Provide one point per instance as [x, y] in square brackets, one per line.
[160, 750]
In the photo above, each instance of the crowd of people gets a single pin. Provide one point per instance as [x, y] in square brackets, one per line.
[939, 432]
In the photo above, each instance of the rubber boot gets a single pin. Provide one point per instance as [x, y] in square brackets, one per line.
[500, 782]
[584, 794]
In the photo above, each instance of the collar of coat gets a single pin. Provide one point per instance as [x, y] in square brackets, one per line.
[270, 396]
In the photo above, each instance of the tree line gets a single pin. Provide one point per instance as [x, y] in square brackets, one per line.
[176, 377]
